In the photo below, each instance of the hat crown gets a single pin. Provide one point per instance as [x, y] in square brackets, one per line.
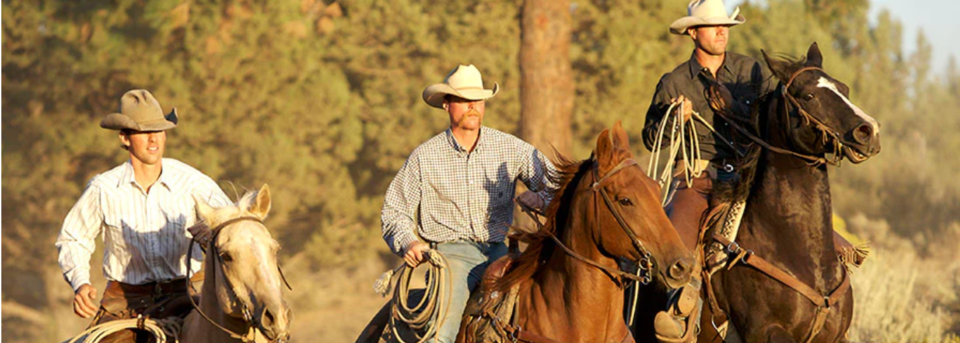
[141, 106]
[465, 77]
[707, 9]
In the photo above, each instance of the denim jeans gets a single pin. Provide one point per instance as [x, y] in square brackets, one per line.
[467, 262]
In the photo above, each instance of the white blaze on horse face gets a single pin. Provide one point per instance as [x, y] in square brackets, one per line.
[824, 83]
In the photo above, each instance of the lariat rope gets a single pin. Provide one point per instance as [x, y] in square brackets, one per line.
[161, 329]
[430, 312]
[678, 145]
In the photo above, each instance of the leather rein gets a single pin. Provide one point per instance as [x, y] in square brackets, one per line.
[746, 257]
[248, 320]
[828, 133]
[645, 264]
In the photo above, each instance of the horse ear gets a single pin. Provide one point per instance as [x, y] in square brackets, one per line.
[261, 205]
[604, 151]
[621, 141]
[778, 67]
[814, 58]
[203, 209]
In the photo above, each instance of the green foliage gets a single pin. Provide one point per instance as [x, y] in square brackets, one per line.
[321, 100]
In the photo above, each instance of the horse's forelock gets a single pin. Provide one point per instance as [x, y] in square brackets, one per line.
[225, 213]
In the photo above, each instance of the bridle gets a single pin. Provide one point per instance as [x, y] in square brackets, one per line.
[645, 264]
[248, 319]
[828, 133]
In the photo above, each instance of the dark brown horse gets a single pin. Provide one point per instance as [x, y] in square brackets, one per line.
[787, 283]
[569, 282]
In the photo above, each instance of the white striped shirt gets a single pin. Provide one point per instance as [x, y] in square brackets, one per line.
[145, 234]
[460, 195]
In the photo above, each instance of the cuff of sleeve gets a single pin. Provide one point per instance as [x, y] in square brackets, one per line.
[79, 281]
[401, 242]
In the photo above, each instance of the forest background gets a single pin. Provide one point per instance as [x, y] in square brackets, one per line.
[321, 100]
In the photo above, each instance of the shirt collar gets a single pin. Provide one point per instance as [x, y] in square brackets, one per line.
[456, 145]
[128, 177]
[695, 66]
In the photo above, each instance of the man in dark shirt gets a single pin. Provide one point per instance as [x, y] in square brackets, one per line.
[741, 81]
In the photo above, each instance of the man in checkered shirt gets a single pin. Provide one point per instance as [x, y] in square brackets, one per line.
[456, 190]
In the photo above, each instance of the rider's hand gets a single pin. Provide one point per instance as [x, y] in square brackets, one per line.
[83, 301]
[531, 200]
[687, 106]
[413, 253]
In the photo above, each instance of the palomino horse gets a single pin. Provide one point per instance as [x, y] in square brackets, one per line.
[569, 285]
[787, 283]
[243, 287]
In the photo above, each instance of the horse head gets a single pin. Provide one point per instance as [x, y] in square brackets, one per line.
[632, 224]
[822, 119]
[248, 279]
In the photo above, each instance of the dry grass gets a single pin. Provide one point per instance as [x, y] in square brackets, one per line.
[902, 296]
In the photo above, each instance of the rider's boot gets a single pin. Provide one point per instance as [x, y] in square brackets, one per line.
[679, 322]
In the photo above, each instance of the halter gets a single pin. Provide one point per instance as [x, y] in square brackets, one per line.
[645, 264]
[248, 321]
[826, 130]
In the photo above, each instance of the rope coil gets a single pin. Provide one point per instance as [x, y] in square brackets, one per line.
[428, 314]
[161, 329]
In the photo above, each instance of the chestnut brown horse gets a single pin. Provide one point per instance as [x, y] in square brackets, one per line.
[605, 214]
[607, 211]
[787, 283]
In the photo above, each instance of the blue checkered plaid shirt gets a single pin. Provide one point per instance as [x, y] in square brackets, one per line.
[449, 194]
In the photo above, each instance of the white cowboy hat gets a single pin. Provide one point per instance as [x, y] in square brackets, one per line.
[463, 82]
[140, 111]
[706, 12]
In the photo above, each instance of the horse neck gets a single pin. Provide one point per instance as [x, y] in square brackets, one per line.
[210, 305]
[789, 212]
[576, 293]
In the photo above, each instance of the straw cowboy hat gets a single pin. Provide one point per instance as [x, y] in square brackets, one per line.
[463, 82]
[140, 111]
[705, 12]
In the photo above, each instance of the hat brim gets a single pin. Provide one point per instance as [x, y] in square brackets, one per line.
[120, 121]
[433, 95]
[680, 26]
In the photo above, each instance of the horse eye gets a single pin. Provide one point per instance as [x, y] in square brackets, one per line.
[625, 202]
[808, 96]
[226, 257]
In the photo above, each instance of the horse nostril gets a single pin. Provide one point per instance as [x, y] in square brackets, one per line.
[863, 133]
[267, 318]
[681, 269]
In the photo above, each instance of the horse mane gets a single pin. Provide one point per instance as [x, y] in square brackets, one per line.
[241, 208]
[539, 245]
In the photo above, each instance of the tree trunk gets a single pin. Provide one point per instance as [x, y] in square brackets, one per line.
[546, 84]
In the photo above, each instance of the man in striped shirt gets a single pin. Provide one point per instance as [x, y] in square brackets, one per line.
[143, 209]
[456, 190]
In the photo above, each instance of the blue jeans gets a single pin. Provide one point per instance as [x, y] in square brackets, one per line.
[467, 262]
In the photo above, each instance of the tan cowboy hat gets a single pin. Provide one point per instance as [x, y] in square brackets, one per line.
[140, 111]
[706, 12]
[464, 82]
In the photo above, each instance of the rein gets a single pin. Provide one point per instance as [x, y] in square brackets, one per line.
[250, 336]
[645, 264]
[827, 131]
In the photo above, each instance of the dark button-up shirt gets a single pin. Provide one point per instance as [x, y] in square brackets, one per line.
[747, 81]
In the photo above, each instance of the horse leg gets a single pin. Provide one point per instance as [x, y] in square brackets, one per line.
[372, 332]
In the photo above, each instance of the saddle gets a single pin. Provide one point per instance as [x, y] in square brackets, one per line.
[491, 313]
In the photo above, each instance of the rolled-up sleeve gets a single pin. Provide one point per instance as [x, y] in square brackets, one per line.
[400, 206]
[537, 172]
[657, 111]
[77, 242]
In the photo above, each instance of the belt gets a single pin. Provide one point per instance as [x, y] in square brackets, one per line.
[156, 288]
[705, 166]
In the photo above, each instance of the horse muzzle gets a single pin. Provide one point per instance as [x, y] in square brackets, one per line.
[274, 322]
[678, 273]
